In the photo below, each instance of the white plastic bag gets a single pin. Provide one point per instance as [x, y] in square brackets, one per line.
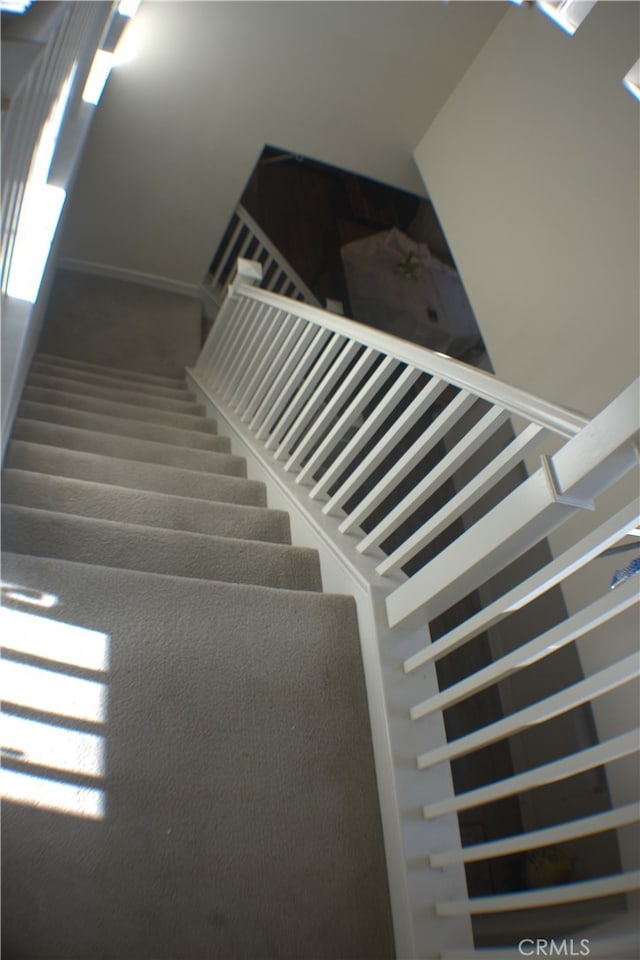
[396, 285]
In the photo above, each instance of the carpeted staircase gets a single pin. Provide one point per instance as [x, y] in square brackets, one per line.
[232, 810]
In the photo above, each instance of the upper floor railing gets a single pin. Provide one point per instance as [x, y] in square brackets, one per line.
[423, 467]
[245, 238]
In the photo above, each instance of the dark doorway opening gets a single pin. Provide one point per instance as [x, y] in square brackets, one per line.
[348, 236]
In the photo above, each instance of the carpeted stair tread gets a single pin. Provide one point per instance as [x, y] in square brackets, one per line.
[51, 382]
[159, 478]
[123, 426]
[108, 371]
[127, 448]
[134, 411]
[239, 814]
[103, 501]
[99, 380]
[136, 547]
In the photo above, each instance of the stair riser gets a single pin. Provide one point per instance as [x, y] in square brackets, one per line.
[174, 553]
[127, 448]
[134, 474]
[119, 396]
[110, 408]
[117, 383]
[122, 426]
[104, 502]
[64, 363]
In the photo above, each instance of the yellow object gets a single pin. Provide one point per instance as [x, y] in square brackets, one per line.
[411, 266]
[547, 867]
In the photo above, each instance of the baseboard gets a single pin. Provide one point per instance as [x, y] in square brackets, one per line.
[132, 276]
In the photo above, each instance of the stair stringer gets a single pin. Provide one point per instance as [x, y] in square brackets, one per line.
[414, 887]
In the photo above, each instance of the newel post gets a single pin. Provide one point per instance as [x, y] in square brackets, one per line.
[246, 272]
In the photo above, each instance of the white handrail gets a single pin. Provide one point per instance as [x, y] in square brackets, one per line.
[485, 385]
[342, 418]
[554, 573]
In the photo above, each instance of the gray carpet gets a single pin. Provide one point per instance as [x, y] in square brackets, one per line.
[124, 325]
[113, 372]
[75, 401]
[159, 477]
[123, 426]
[122, 392]
[220, 801]
[129, 448]
[105, 501]
[91, 375]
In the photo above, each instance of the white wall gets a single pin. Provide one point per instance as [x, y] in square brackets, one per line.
[181, 126]
[532, 165]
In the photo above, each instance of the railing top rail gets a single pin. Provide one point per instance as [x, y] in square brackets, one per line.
[486, 386]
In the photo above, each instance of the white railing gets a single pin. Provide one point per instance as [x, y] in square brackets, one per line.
[245, 238]
[412, 468]
[40, 49]
[47, 53]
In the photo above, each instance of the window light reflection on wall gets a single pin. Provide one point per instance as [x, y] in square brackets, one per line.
[568, 14]
[98, 76]
[41, 207]
[104, 60]
[15, 6]
[632, 80]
